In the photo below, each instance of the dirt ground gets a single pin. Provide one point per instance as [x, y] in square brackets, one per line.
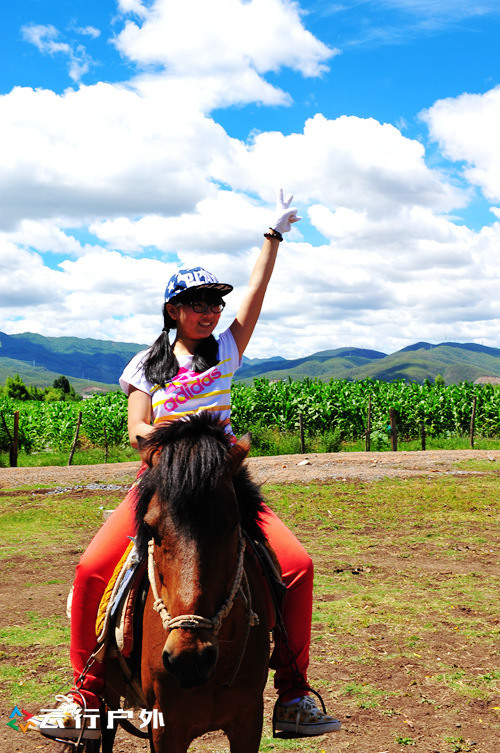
[272, 470]
[419, 716]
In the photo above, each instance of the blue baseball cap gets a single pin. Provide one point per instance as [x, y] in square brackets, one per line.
[194, 279]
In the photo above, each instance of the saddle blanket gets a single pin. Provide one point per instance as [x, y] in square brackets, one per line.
[116, 609]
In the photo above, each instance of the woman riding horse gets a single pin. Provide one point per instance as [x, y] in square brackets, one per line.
[165, 383]
[205, 646]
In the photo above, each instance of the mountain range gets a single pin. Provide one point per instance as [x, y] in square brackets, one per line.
[92, 363]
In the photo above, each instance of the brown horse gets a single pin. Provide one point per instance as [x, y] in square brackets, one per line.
[205, 648]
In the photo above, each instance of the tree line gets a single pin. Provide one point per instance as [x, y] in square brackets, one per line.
[61, 390]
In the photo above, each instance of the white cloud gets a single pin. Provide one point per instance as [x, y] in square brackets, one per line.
[88, 31]
[145, 147]
[202, 94]
[440, 286]
[225, 222]
[135, 7]
[194, 37]
[46, 38]
[417, 237]
[103, 274]
[100, 151]
[103, 294]
[229, 47]
[45, 236]
[444, 10]
[367, 294]
[351, 162]
[142, 165]
[467, 129]
[25, 283]
[379, 23]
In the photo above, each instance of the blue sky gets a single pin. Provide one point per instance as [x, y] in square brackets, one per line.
[138, 137]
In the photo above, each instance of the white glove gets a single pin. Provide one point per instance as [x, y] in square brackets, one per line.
[285, 215]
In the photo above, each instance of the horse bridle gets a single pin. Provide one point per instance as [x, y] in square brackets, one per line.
[195, 621]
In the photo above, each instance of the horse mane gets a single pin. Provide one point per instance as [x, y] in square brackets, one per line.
[192, 459]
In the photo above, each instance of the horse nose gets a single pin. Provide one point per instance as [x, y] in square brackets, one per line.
[192, 663]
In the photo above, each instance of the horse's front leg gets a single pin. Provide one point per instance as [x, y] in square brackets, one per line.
[157, 686]
[244, 733]
[169, 739]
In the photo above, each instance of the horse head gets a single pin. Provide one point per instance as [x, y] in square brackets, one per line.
[189, 516]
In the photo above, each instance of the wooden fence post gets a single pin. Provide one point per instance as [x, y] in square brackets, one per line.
[473, 421]
[70, 460]
[7, 432]
[302, 438]
[15, 441]
[394, 435]
[422, 434]
[105, 443]
[368, 424]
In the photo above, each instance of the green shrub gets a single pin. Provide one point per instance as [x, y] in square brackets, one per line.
[330, 441]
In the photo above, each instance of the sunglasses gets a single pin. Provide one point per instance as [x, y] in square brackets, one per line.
[200, 307]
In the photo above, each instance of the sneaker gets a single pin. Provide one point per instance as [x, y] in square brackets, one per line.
[303, 718]
[65, 722]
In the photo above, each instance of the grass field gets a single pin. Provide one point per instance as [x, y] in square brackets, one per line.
[406, 624]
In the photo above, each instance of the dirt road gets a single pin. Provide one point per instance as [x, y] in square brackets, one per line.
[273, 470]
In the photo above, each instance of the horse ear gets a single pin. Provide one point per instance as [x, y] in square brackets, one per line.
[245, 441]
[238, 453]
[148, 453]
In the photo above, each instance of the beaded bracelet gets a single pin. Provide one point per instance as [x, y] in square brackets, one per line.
[274, 234]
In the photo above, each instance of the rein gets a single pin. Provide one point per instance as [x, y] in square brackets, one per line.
[195, 621]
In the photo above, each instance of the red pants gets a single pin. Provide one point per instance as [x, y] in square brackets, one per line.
[107, 547]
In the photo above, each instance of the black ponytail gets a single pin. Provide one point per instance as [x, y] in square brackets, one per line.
[161, 364]
[205, 355]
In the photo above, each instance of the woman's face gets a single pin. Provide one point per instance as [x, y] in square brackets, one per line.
[192, 325]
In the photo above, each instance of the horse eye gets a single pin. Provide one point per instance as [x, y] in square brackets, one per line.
[151, 533]
[232, 527]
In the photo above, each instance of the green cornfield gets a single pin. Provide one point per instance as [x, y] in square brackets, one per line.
[325, 406]
[343, 405]
[52, 425]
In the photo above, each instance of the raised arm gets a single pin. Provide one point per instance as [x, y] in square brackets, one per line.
[251, 305]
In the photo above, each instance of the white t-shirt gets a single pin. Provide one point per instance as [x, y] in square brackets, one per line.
[189, 392]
